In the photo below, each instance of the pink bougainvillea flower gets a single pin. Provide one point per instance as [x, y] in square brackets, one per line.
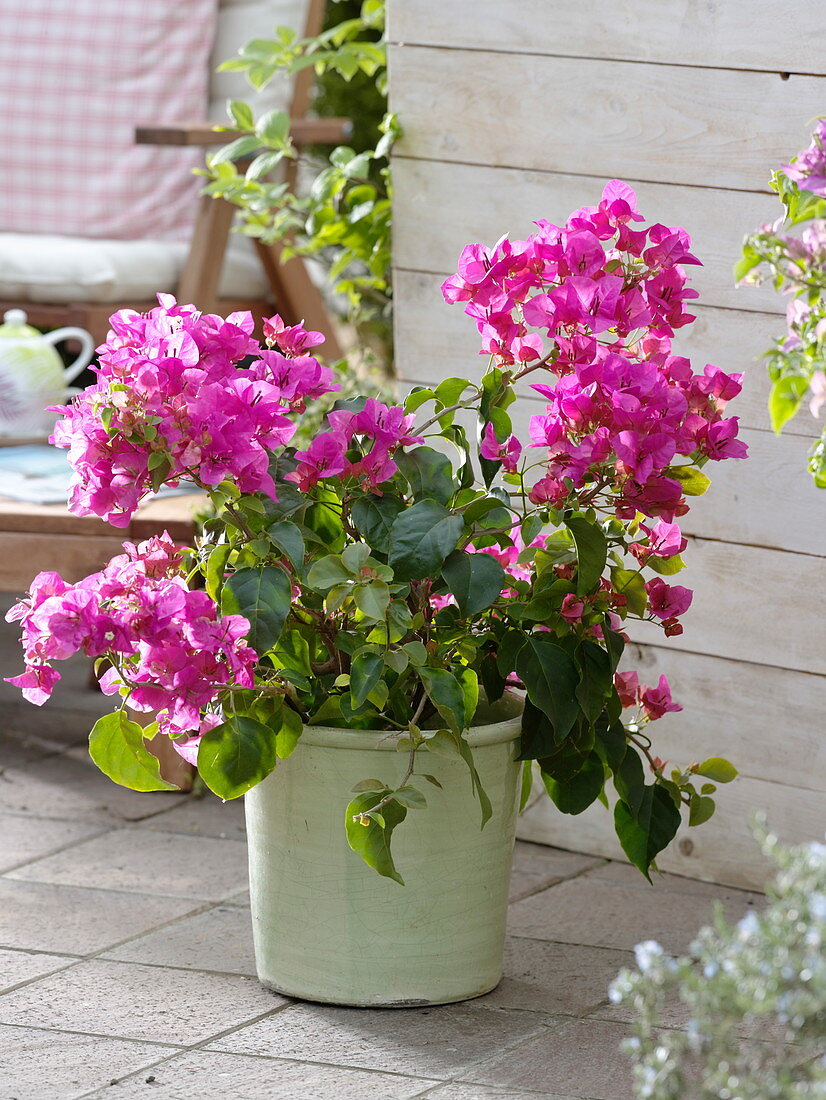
[628, 687]
[508, 453]
[667, 600]
[572, 608]
[292, 339]
[325, 457]
[809, 167]
[656, 701]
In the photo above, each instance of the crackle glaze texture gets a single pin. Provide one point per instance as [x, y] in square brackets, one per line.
[329, 928]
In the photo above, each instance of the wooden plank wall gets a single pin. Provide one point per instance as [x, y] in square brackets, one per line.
[514, 111]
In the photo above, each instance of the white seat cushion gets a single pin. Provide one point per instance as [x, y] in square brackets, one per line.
[47, 268]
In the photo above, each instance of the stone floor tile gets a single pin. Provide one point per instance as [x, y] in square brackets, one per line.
[49, 1065]
[430, 1042]
[129, 1001]
[559, 978]
[41, 917]
[22, 966]
[623, 874]
[536, 867]
[18, 747]
[241, 898]
[147, 862]
[220, 940]
[573, 1057]
[207, 816]
[463, 1091]
[611, 915]
[70, 786]
[200, 1074]
[25, 838]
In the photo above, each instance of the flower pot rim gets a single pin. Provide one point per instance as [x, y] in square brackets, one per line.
[490, 733]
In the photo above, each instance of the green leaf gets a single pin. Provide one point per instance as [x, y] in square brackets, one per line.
[629, 779]
[241, 114]
[365, 673]
[576, 794]
[369, 785]
[645, 832]
[273, 127]
[429, 474]
[701, 809]
[666, 566]
[596, 678]
[466, 754]
[631, 584]
[526, 784]
[550, 678]
[447, 695]
[289, 540]
[215, 568]
[785, 399]
[118, 748]
[591, 552]
[327, 572]
[236, 755]
[372, 841]
[372, 598]
[718, 769]
[475, 580]
[373, 518]
[692, 481]
[421, 538]
[410, 797]
[263, 596]
[289, 731]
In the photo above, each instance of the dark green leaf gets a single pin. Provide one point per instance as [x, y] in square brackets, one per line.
[550, 678]
[235, 756]
[447, 695]
[629, 779]
[614, 644]
[365, 673]
[410, 797]
[526, 784]
[611, 742]
[263, 596]
[596, 681]
[591, 552]
[372, 598]
[475, 580]
[631, 584]
[576, 794]
[373, 517]
[493, 683]
[118, 748]
[421, 538]
[287, 537]
[428, 473]
[701, 809]
[645, 832]
[372, 840]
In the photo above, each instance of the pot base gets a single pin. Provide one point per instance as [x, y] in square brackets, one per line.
[377, 1002]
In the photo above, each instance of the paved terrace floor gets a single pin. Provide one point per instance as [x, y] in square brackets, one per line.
[126, 964]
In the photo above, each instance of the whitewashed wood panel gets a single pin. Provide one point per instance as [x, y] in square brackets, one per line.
[681, 32]
[768, 721]
[439, 208]
[750, 604]
[708, 127]
[435, 340]
[723, 850]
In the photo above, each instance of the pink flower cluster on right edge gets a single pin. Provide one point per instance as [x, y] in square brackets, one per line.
[594, 304]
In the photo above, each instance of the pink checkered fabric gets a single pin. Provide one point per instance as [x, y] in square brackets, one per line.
[76, 77]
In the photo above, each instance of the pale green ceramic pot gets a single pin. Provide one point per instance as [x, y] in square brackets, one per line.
[329, 928]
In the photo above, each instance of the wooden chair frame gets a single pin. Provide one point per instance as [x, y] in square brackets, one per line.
[293, 293]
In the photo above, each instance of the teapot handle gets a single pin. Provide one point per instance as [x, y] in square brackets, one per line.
[87, 348]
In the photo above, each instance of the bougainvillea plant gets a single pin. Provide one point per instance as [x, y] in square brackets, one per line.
[792, 253]
[393, 573]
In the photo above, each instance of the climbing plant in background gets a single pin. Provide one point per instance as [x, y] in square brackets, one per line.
[792, 253]
[339, 211]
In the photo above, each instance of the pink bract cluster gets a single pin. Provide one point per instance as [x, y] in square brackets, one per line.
[167, 643]
[809, 168]
[595, 302]
[385, 426]
[172, 401]
[654, 701]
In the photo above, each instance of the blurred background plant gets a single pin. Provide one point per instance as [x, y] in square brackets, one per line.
[755, 995]
[791, 252]
[331, 205]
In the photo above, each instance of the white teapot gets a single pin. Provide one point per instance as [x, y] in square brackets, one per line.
[32, 374]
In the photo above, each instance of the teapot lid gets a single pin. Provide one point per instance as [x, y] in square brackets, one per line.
[14, 324]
